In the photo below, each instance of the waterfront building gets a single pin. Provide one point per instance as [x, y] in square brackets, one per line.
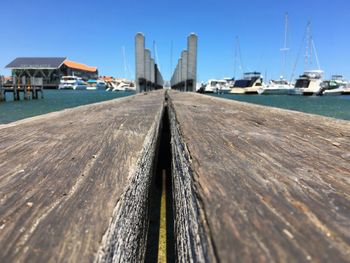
[51, 69]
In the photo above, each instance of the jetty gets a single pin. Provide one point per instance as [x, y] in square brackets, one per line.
[29, 87]
[243, 183]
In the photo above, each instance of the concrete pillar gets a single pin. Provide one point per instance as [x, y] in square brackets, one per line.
[184, 67]
[140, 61]
[153, 76]
[180, 73]
[192, 45]
[148, 67]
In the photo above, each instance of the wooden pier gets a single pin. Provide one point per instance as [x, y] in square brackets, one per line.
[30, 88]
[249, 183]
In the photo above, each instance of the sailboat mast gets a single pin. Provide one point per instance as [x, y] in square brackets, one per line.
[285, 49]
[126, 70]
[308, 48]
[235, 59]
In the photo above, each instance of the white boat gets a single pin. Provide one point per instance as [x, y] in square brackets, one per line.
[310, 83]
[281, 86]
[277, 87]
[333, 92]
[336, 86]
[72, 83]
[123, 86]
[216, 86]
[96, 84]
[251, 82]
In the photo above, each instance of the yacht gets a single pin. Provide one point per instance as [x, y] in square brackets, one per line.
[123, 85]
[94, 84]
[250, 84]
[72, 82]
[280, 86]
[310, 83]
[277, 87]
[335, 86]
[216, 86]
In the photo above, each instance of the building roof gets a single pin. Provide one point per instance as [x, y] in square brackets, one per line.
[79, 66]
[36, 63]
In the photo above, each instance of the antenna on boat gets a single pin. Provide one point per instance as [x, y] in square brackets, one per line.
[285, 49]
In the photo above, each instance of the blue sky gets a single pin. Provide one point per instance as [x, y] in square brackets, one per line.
[94, 32]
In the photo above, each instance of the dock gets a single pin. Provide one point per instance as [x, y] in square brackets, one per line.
[243, 183]
[29, 87]
[262, 184]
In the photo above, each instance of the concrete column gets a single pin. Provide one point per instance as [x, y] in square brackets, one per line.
[148, 67]
[153, 76]
[180, 73]
[140, 61]
[184, 67]
[192, 44]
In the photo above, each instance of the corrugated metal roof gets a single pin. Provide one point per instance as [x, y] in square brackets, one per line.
[36, 63]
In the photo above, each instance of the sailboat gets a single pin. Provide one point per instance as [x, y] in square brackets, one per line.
[311, 81]
[280, 86]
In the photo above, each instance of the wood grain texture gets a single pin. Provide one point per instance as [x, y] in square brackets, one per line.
[274, 185]
[62, 175]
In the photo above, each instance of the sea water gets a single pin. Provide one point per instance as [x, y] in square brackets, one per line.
[54, 100]
[331, 106]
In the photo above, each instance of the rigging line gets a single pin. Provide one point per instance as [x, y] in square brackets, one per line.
[298, 56]
[316, 56]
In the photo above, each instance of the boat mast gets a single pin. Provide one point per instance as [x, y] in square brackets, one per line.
[285, 49]
[308, 47]
[238, 52]
[126, 69]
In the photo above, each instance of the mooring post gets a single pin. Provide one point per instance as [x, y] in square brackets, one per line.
[16, 88]
[26, 88]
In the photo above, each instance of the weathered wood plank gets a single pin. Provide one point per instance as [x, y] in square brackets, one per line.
[62, 175]
[271, 185]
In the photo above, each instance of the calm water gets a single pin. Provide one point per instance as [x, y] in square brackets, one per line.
[331, 106]
[54, 100]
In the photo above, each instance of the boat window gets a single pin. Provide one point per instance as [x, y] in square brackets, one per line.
[242, 83]
[302, 83]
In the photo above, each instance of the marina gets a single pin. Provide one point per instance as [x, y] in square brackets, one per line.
[220, 135]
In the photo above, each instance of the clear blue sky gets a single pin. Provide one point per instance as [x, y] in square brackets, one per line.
[94, 32]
